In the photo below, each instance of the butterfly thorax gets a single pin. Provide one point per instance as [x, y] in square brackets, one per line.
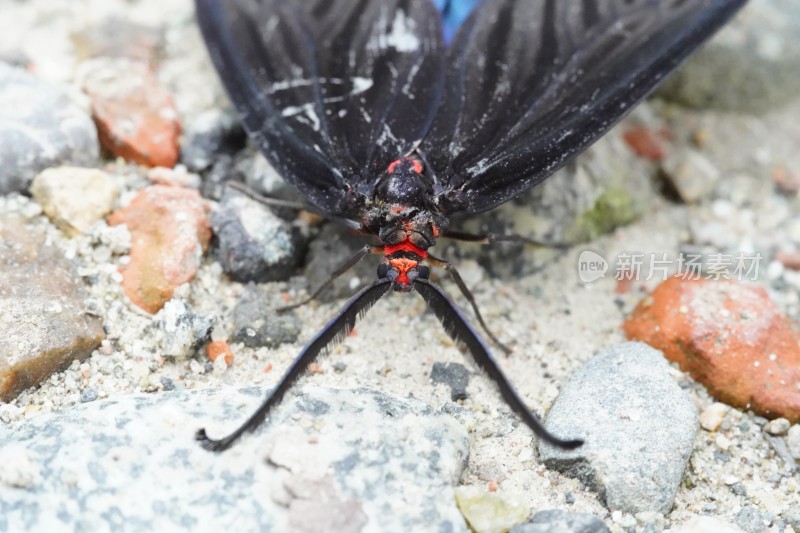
[402, 220]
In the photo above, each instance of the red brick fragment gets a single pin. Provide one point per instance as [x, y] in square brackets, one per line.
[169, 231]
[135, 115]
[730, 337]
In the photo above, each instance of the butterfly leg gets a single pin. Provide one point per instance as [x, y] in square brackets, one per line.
[492, 238]
[451, 269]
[350, 263]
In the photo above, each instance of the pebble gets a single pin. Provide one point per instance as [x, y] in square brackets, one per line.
[143, 452]
[712, 416]
[793, 441]
[180, 330]
[74, 198]
[256, 324]
[638, 424]
[750, 520]
[169, 232]
[41, 126]
[220, 348]
[559, 521]
[777, 427]
[454, 375]
[733, 339]
[490, 512]
[89, 394]
[647, 143]
[42, 312]
[254, 244]
[690, 174]
[135, 116]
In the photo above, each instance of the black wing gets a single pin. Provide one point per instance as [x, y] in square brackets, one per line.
[531, 83]
[331, 90]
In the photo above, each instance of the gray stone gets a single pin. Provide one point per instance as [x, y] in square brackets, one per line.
[690, 174]
[777, 427]
[454, 375]
[43, 316]
[40, 127]
[180, 329]
[750, 519]
[210, 135]
[753, 64]
[558, 521]
[333, 463]
[256, 324]
[793, 441]
[254, 244]
[638, 425]
[328, 251]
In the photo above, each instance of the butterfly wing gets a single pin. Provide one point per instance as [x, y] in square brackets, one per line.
[330, 90]
[531, 83]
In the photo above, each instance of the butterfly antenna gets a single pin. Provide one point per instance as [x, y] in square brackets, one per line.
[470, 343]
[331, 335]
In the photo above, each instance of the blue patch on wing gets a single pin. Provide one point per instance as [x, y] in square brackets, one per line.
[453, 14]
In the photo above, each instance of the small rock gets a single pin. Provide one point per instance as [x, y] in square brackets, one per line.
[43, 317]
[455, 375]
[40, 127]
[706, 524]
[647, 143]
[211, 134]
[89, 394]
[490, 512]
[650, 522]
[256, 324]
[221, 348]
[638, 425]
[793, 441]
[712, 417]
[328, 251]
[74, 198]
[135, 116]
[180, 329]
[733, 339]
[558, 521]
[254, 244]
[777, 427]
[169, 232]
[751, 520]
[690, 174]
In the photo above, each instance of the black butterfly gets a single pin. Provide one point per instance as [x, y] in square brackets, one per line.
[361, 106]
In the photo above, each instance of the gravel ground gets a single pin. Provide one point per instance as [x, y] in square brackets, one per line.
[553, 321]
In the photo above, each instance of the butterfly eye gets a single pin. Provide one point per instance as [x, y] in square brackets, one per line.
[392, 273]
[412, 274]
[423, 272]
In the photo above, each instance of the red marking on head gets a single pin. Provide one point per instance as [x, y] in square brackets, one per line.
[415, 165]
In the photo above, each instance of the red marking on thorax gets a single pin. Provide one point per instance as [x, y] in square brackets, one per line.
[403, 265]
[405, 246]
